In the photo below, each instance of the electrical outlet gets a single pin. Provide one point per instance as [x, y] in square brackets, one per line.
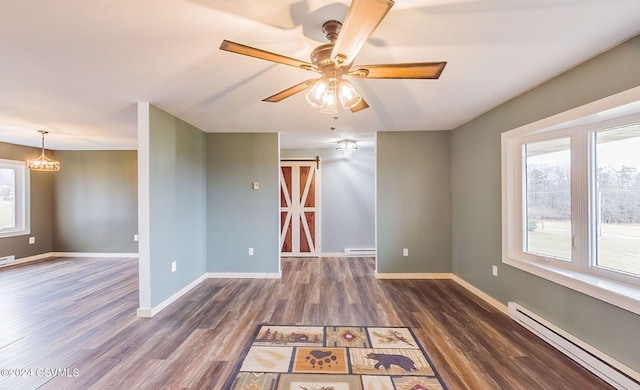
[494, 271]
[136, 237]
[174, 266]
[405, 251]
[250, 251]
[32, 240]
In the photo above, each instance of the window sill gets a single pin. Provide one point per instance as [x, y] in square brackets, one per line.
[616, 293]
[15, 233]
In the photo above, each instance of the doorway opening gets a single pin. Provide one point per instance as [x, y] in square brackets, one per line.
[300, 207]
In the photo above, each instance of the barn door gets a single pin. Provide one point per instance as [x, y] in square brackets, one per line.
[299, 208]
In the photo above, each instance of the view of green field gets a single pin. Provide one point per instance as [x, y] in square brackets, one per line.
[618, 244]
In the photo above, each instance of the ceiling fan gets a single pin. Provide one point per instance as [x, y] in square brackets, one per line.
[335, 59]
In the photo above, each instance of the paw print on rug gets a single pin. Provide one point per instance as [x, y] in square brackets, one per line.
[321, 358]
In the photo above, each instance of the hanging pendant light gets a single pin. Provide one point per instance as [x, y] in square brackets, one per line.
[43, 163]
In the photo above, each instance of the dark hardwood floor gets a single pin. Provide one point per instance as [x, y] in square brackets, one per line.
[79, 315]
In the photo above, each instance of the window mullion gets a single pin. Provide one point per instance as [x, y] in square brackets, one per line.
[580, 199]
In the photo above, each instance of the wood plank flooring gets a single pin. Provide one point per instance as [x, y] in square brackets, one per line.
[79, 315]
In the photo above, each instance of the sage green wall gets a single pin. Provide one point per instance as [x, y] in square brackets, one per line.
[176, 204]
[347, 196]
[413, 202]
[41, 184]
[239, 217]
[95, 201]
[476, 197]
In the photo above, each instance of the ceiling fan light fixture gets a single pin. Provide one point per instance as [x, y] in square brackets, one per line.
[349, 97]
[334, 60]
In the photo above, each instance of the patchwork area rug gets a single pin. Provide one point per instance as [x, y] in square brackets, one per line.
[334, 358]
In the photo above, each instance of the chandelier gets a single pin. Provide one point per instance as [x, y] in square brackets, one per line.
[43, 163]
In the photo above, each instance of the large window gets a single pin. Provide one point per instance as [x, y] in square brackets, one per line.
[571, 199]
[14, 198]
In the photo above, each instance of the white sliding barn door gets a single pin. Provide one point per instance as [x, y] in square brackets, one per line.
[299, 208]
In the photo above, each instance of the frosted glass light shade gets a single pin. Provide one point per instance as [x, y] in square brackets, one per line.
[327, 93]
[315, 96]
[330, 100]
[349, 97]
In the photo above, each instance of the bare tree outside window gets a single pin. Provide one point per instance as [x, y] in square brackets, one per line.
[617, 222]
[548, 198]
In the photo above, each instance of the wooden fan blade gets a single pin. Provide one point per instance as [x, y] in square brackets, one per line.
[290, 91]
[362, 19]
[360, 106]
[264, 55]
[419, 70]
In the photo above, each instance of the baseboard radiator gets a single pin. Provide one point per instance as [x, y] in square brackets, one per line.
[7, 260]
[610, 370]
[359, 252]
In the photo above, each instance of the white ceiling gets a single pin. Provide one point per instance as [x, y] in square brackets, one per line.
[78, 67]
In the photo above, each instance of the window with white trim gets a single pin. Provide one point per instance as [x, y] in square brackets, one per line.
[571, 200]
[14, 198]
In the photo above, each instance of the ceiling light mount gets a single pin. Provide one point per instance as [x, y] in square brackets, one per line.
[331, 29]
[346, 144]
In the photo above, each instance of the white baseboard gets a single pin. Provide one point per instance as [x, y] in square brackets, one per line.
[302, 255]
[321, 254]
[150, 312]
[481, 294]
[46, 255]
[476, 291]
[332, 254]
[28, 259]
[92, 254]
[243, 275]
[444, 275]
